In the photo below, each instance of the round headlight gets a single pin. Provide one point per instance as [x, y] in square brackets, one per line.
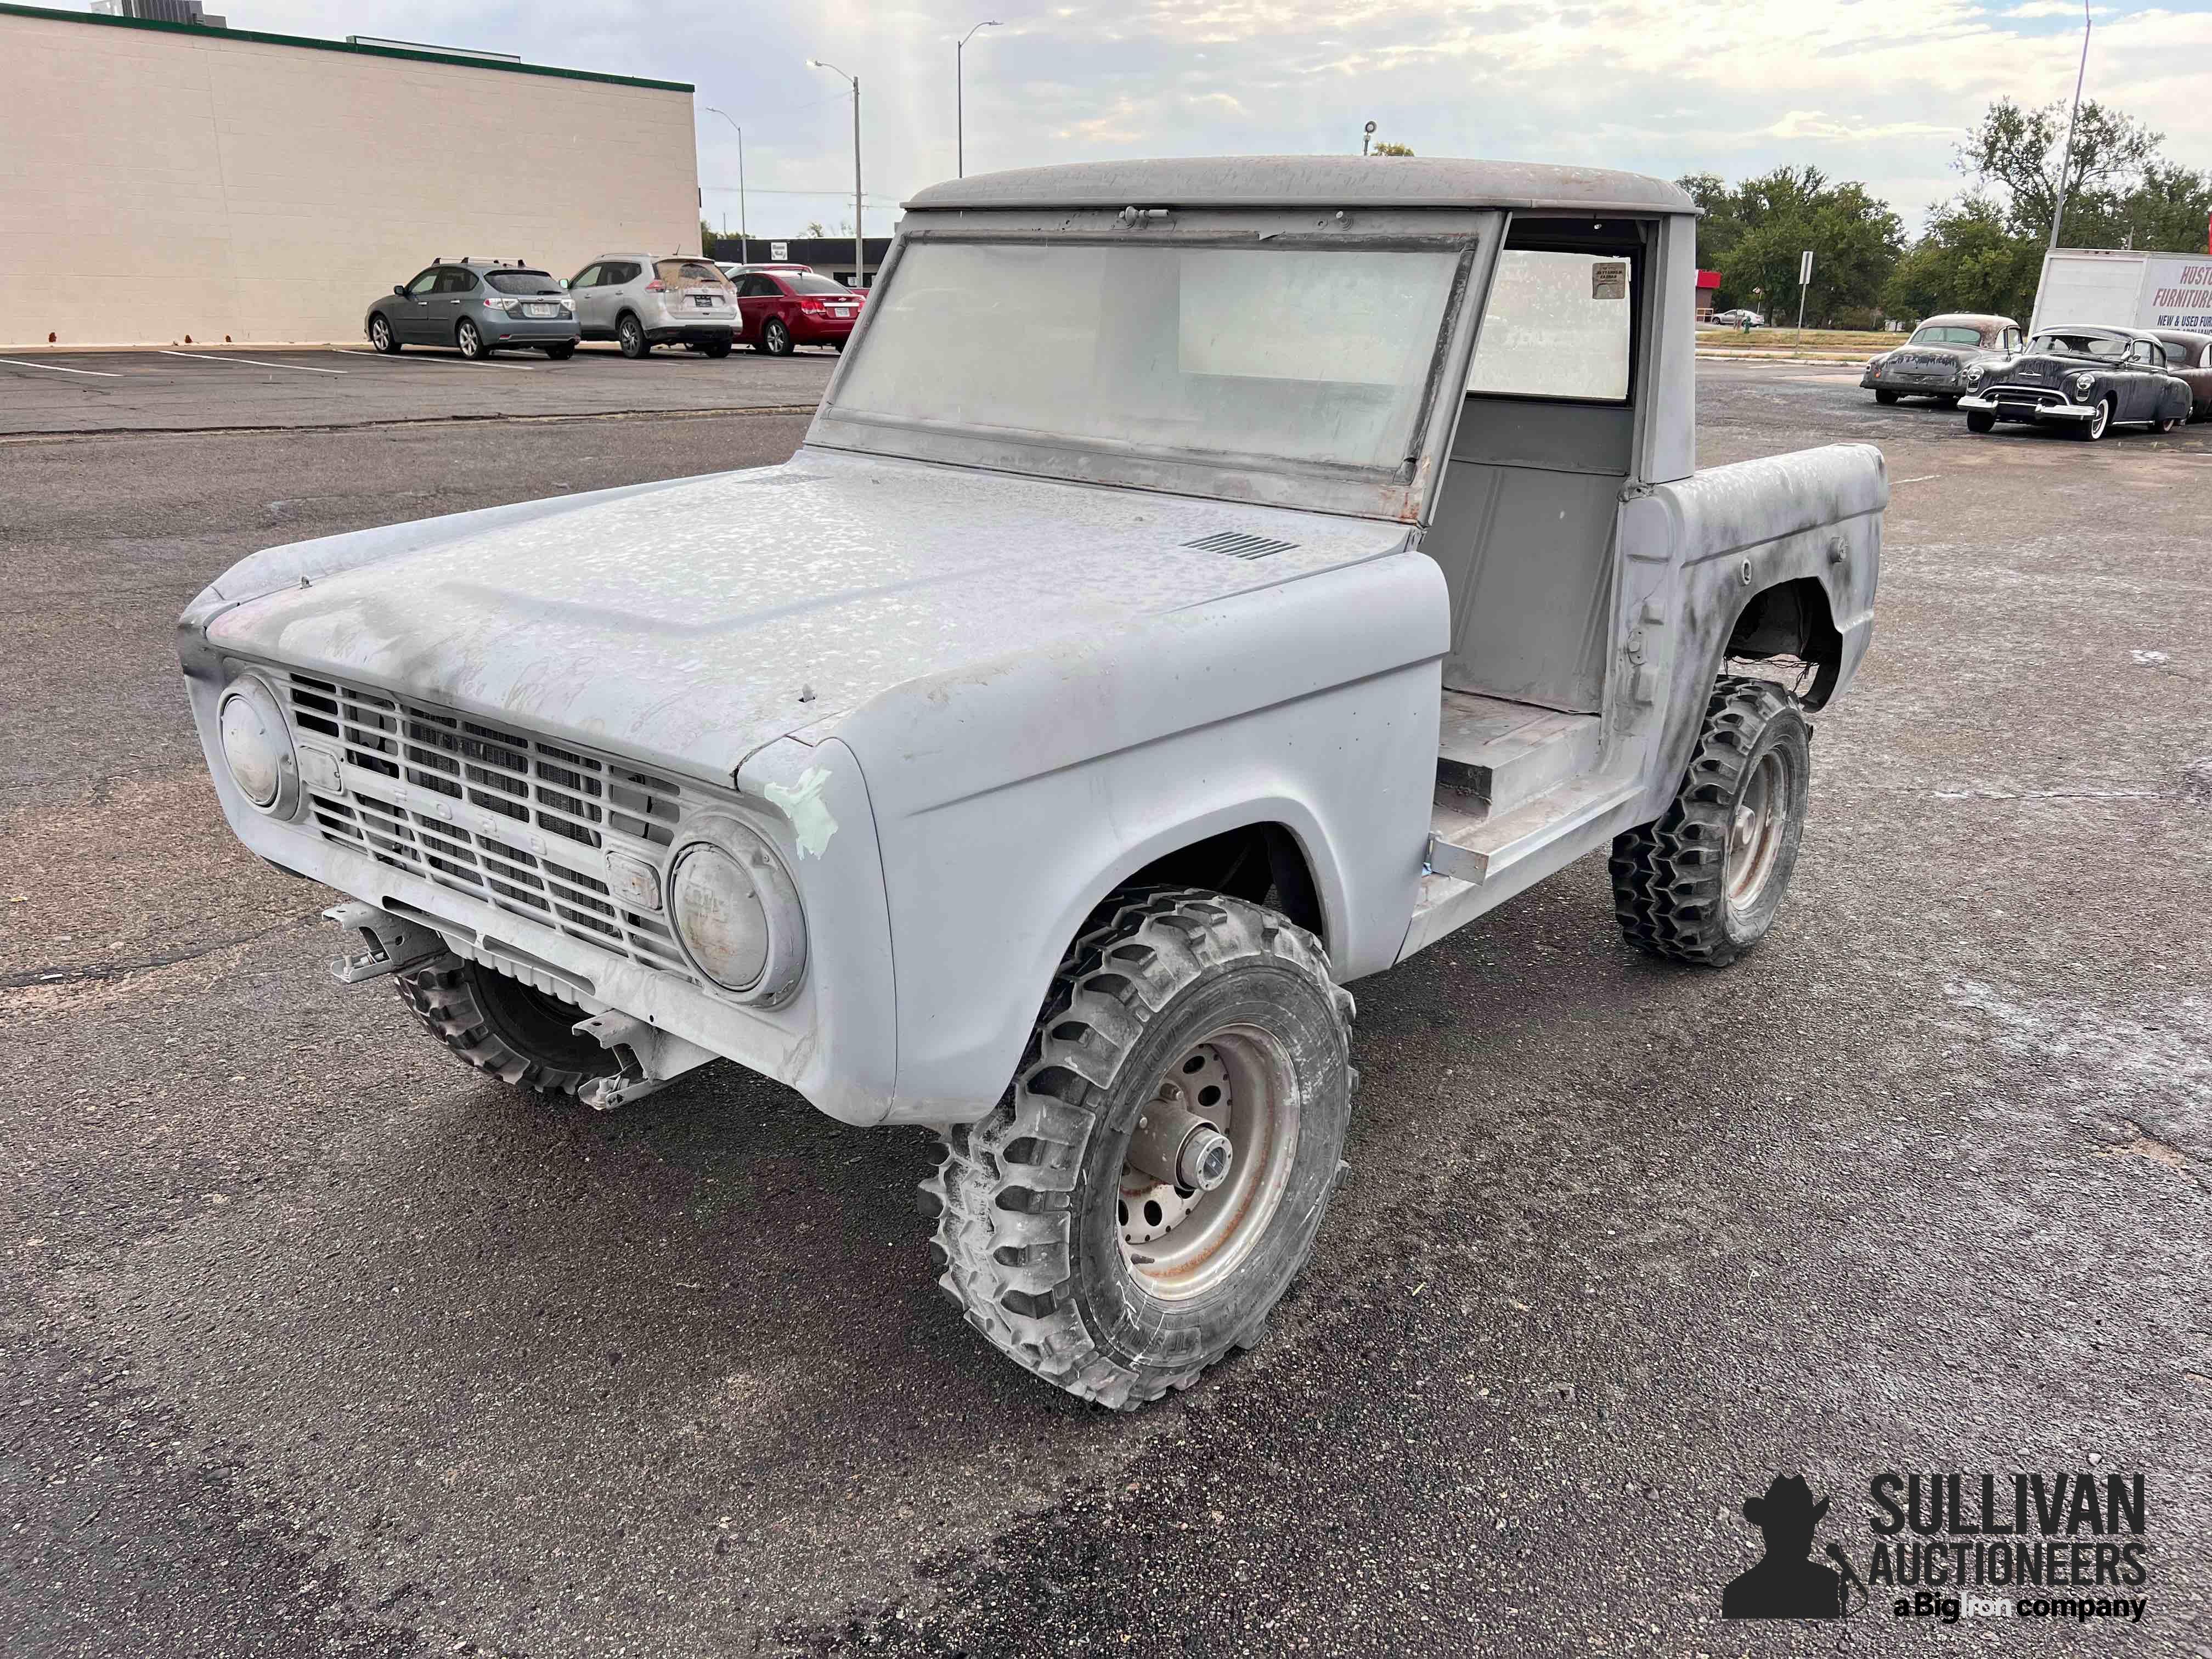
[2083, 385]
[257, 747]
[1974, 376]
[735, 912]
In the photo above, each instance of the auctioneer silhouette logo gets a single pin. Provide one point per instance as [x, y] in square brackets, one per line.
[1946, 1545]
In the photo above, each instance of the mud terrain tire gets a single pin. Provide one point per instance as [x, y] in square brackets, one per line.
[502, 1027]
[1703, 882]
[1032, 1226]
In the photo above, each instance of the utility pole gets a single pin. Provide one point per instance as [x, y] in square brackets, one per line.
[745, 238]
[2066, 155]
[959, 100]
[1367, 134]
[860, 251]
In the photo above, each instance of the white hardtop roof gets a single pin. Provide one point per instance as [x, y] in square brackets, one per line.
[1311, 181]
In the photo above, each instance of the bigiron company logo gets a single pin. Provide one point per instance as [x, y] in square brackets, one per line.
[2064, 1545]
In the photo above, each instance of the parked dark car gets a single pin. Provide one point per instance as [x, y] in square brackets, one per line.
[784, 309]
[2090, 378]
[1945, 357]
[476, 306]
[2189, 358]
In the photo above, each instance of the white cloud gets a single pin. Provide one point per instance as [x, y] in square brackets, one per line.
[1879, 90]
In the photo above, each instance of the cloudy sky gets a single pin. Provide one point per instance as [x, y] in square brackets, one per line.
[1879, 90]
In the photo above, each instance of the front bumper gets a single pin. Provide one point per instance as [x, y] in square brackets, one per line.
[430, 860]
[1913, 386]
[2028, 404]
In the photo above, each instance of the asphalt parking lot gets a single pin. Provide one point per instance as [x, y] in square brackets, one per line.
[211, 388]
[316, 1343]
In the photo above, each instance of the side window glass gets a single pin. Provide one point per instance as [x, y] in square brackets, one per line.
[425, 282]
[756, 287]
[1558, 325]
[454, 280]
[587, 277]
[617, 275]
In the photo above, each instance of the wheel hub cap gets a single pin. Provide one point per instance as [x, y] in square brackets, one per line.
[1755, 830]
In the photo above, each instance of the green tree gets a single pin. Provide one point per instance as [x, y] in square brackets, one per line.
[1384, 146]
[1968, 259]
[2016, 152]
[1768, 222]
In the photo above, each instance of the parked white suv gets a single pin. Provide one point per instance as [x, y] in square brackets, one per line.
[640, 303]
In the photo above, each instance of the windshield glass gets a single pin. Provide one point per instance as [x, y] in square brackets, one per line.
[1948, 335]
[1289, 353]
[2080, 343]
[522, 282]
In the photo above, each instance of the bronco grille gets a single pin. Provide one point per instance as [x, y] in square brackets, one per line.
[564, 812]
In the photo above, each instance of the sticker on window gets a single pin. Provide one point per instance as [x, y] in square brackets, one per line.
[1609, 279]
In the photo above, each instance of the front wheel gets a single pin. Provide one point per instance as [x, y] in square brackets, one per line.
[562, 351]
[1981, 419]
[2098, 424]
[1703, 882]
[717, 349]
[1885, 399]
[380, 335]
[1153, 1180]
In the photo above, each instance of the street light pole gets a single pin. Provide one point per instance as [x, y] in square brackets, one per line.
[959, 99]
[744, 235]
[2066, 155]
[860, 253]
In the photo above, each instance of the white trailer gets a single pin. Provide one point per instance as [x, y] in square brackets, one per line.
[2123, 288]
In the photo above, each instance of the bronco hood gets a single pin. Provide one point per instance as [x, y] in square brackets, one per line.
[689, 624]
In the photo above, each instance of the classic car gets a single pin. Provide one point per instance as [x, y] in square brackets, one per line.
[2189, 358]
[1945, 357]
[2090, 378]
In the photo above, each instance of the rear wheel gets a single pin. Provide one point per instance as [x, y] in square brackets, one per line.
[1981, 419]
[1885, 398]
[1703, 882]
[1948, 400]
[629, 335]
[562, 352]
[502, 1027]
[776, 338]
[2166, 423]
[380, 335]
[471, 341]
[2098, 424]
[1153, 1180]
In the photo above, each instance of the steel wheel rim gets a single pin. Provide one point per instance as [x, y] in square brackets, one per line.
[1216, 1232]
[1755, 830]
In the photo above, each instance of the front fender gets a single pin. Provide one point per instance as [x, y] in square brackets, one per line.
[1011, 798]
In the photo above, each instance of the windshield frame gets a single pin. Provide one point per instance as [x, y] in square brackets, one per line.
[1471, 236]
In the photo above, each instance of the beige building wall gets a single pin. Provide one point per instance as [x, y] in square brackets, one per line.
[157, 182]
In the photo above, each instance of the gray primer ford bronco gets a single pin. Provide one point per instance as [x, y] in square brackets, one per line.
[1206, 583]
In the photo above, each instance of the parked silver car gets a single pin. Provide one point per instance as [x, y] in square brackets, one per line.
[476, 306]
[640, 301]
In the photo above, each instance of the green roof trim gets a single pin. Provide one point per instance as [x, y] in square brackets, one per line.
[201, 32]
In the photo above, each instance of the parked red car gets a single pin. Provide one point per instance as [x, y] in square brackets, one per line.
[783, 309]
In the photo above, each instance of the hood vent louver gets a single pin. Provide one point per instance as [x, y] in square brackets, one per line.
[1240, 545]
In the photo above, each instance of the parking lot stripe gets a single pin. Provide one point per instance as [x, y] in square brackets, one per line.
[450, 363]
[254, 363]
[103, 374]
